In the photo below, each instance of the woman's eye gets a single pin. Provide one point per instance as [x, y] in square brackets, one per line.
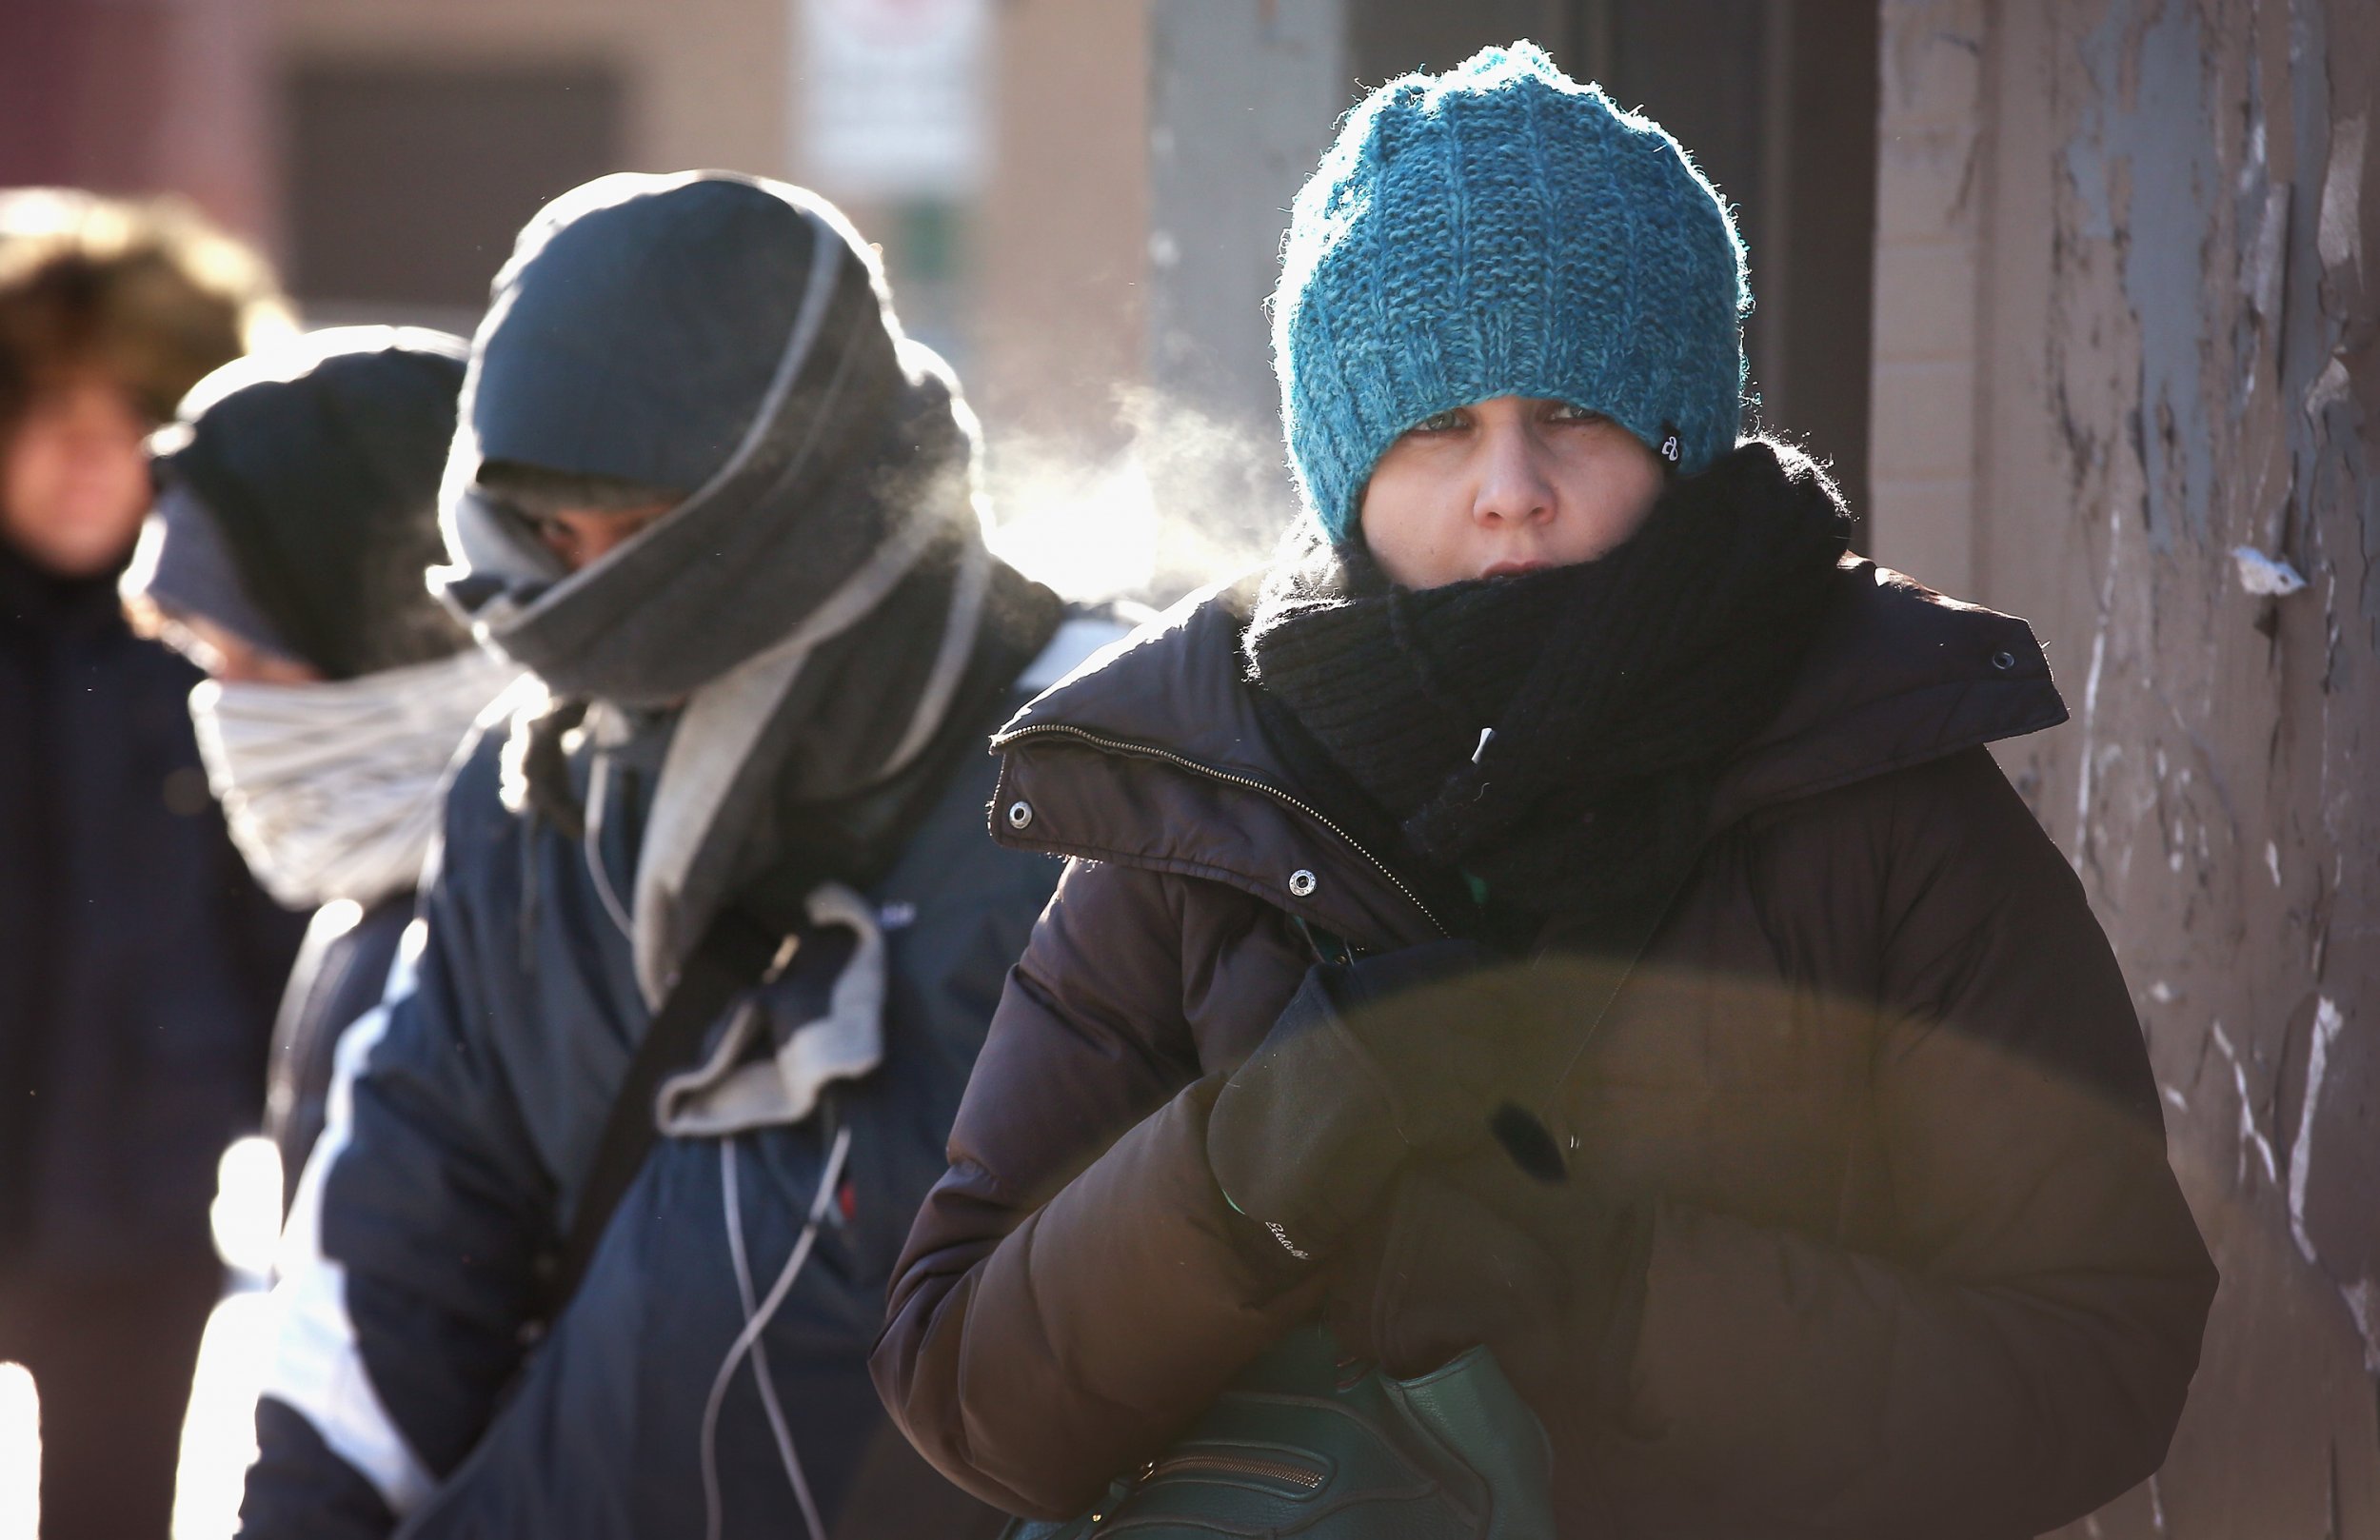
[1439, 422]
[1565, 412]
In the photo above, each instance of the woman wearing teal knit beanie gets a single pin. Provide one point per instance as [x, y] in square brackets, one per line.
[1504, 231]
[1563, 907]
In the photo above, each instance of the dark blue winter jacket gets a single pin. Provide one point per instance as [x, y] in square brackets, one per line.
[138, 962]
[341, 973]
[470, 1105]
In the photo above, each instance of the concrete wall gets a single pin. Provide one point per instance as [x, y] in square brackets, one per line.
[2128, 296]
[1062, 285]
[1922, 427]
[1243, 97]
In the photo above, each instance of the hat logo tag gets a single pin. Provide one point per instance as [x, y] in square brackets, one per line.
[1670, 448]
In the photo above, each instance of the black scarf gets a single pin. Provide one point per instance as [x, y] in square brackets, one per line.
[1612, 691]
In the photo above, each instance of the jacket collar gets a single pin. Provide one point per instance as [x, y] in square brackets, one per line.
[1152, 752]
[1175, 683]
[37, 600]
[1898, 675]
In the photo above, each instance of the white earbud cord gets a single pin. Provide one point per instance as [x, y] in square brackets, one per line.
[769, 1403]
[755, 1322]
[598, 790]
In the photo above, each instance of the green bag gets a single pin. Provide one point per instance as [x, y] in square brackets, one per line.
[1301, 1445]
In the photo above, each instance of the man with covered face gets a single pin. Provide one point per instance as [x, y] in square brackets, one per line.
[545, 1273]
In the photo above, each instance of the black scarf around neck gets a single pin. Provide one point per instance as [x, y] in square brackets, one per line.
[1609, 693]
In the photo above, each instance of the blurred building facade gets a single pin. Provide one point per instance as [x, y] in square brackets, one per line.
[2075, 293]
[1099, 263]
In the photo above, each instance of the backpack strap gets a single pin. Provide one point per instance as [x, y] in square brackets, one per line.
[735, 953]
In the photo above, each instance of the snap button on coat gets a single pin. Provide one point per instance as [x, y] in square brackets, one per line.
[1020, 815]
[1302, 884]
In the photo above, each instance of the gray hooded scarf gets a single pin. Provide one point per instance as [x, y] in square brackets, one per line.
[820, 607]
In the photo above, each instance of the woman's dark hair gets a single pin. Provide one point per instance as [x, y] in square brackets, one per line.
[150, 294]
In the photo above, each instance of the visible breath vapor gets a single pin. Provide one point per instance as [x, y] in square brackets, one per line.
[1192, 496]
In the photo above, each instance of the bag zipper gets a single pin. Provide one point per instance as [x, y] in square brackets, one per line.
[1235, 1465]
[1142, 751]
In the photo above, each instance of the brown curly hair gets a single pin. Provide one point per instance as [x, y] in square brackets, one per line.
[149, 294]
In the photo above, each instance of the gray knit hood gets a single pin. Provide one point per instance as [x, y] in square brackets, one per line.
[731, 337]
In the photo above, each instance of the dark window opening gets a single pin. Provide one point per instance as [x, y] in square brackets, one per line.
[407, 185]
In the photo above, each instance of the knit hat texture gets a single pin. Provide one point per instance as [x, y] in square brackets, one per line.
[1502, 229]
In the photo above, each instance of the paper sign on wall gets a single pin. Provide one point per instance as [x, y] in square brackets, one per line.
[892, 97]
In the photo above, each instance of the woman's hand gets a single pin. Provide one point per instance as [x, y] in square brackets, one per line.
[1480, 1254]
[1371, 1060]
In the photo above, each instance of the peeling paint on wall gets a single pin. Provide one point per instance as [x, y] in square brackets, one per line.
[2172, 312]
[2145, 131]
[2327, 1024]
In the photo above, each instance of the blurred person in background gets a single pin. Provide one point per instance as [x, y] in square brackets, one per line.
[1845, 1213]
[139, 962]
[296, 522]
[595, 1242]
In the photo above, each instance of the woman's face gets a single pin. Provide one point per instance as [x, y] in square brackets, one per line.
[73, 477]
[1505, 486]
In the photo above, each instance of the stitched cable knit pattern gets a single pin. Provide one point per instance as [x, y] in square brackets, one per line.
[1502, 229]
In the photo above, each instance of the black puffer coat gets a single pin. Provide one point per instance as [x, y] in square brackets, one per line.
[1916, 1265]
[341, 971]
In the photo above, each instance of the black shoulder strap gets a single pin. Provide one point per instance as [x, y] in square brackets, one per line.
[735, 953]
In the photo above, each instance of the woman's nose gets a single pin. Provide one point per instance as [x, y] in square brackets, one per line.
[1514, 484]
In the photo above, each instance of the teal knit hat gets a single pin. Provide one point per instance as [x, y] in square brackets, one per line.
[1503, 231]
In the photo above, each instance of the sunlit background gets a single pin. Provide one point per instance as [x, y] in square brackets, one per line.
[1079, 202]
[2074, 295]
[218, 1434]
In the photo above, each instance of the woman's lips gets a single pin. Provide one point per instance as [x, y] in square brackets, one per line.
[1513, 570]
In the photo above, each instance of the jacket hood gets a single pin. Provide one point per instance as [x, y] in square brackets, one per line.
[1896, 676]
[317, 464]
[707, 263]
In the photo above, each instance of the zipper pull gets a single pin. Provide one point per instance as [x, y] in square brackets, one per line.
[1487, 735]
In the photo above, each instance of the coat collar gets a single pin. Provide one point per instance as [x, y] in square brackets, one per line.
[37, 600]
[1897, 675]
[1152, 752]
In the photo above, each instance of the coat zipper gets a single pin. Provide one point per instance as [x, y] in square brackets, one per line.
[1235, 1465]
[1144, 751]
